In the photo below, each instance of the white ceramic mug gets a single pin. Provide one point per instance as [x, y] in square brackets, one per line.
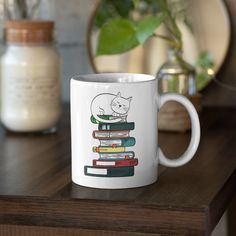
[114, 130]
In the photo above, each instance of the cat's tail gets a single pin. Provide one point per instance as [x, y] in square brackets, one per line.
[106, 120]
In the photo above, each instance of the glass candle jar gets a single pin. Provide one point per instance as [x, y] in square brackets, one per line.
[30, 78]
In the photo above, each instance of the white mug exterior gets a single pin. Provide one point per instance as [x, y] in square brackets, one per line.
[140, 92]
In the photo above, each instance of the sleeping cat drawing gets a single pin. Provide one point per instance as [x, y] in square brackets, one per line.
[113, 107]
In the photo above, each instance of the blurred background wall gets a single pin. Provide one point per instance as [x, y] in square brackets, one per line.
[72, 18]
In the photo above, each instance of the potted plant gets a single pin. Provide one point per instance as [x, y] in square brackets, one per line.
[125, 25]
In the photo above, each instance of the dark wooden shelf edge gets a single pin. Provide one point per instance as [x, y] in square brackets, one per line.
[99, 215]
[22, 230]
[219, 203]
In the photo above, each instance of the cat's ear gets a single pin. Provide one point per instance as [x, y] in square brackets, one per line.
[129, 99]
[118, 95]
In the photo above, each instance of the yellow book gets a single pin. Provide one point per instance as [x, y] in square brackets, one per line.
[109, 149]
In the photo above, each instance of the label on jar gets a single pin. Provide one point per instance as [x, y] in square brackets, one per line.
[31, 86]
[37, 90]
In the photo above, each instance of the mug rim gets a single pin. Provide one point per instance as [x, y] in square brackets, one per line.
[114, 78]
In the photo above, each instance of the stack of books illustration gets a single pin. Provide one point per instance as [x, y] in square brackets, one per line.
[114, 157]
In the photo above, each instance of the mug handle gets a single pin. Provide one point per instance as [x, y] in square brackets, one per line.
[195, 136]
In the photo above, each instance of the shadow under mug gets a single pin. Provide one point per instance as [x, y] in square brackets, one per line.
[114, 120]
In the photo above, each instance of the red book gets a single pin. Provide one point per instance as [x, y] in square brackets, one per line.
[116, 163]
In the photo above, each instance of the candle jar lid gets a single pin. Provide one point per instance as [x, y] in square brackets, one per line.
[29, 31]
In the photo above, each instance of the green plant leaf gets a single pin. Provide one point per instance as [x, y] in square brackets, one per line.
[104, 13]
[116, 36]
[202, 80]
[136, 2]
[123, 7]
[205, 60]
[109, 9]
[147, 26]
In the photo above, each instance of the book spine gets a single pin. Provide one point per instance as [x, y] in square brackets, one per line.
[125, 142]
[109, 171]
[105, 117]
[108, 149]
[116, 126]
[117, 155]
[110, 142]
[117, 163]
[100, 134]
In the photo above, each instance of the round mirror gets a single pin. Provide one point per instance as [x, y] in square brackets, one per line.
[210, 32]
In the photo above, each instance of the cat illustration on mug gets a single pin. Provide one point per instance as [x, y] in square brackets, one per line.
[114, 157]
[110, 108]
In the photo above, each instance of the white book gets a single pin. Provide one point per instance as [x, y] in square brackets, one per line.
[105, 163]
[100, 134]
[117, 155]
[99, 171]
[110, 142]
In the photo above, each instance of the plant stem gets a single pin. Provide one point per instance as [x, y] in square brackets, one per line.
[172, 26]
[166, 38]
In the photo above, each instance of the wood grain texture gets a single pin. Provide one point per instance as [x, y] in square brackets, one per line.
[36, 191]
[19, 230]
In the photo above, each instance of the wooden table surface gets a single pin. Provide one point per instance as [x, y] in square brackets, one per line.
[37, 196]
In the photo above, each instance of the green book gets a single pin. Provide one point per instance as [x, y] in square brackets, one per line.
[105, 117]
